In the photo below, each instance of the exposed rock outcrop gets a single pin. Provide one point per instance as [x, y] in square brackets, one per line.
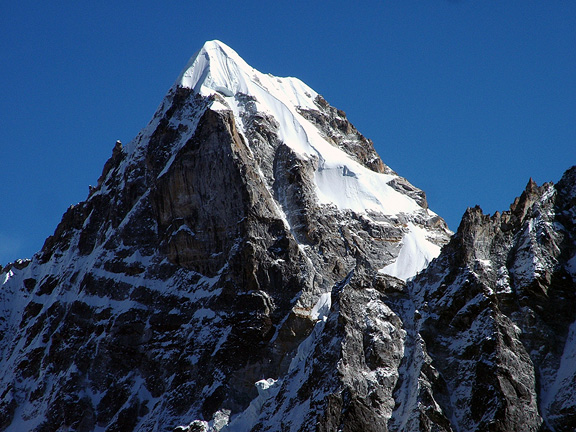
[498, 308]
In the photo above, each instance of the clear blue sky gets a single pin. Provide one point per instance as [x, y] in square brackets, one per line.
[466, 99]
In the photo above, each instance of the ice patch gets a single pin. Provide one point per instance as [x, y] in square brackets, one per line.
[416, 253]
[322, 307]
[264, 385]
[7, 276]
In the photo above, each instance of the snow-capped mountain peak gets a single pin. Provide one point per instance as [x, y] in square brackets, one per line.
[238, 268]
[242, 228]
[217, 68]
[339, 178]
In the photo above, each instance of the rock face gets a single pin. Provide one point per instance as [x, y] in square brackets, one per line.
[241, 265]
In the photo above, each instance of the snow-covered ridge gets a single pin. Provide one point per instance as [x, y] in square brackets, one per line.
[217, 69]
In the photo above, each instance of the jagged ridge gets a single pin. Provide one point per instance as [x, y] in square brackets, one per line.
[496, 315]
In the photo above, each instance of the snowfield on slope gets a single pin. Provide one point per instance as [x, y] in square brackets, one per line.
[341, 181]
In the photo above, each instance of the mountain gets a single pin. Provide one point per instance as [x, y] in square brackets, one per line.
[202, 273]
[249, 263]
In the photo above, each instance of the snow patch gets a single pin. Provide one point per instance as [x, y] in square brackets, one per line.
[322, 307]
[416, 253]
[363, 191]
[7, 276]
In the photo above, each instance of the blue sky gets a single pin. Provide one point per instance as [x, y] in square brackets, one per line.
[466, 99]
